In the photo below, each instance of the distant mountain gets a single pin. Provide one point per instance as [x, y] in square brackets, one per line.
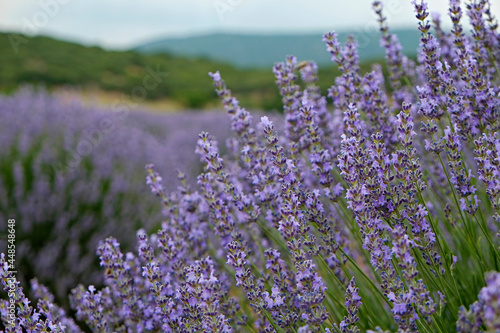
[262, 51]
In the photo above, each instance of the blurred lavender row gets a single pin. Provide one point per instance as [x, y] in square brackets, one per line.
[72, 175]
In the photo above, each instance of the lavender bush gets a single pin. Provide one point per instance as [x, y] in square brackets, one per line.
[378, 215]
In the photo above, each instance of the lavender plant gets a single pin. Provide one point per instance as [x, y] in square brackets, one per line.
[378, 214]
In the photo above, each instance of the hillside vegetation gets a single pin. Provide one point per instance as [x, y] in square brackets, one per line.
[54, 63]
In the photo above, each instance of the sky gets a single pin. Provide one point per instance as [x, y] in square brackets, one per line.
[122, 24]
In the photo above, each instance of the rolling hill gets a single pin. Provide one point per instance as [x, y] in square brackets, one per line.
[52, 63]
[185, 84]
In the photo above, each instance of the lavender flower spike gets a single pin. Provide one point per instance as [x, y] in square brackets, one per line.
[153, 179]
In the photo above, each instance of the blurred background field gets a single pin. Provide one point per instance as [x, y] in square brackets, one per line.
[72, 175]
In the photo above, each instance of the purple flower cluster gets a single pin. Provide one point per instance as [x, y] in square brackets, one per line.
[387, 198]
[486, 311]
[17, 313]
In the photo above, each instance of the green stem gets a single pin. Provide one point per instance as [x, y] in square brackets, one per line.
[366, 277]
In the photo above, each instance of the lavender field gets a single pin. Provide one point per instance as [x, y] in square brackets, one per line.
[375, 208]
[73, 175]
